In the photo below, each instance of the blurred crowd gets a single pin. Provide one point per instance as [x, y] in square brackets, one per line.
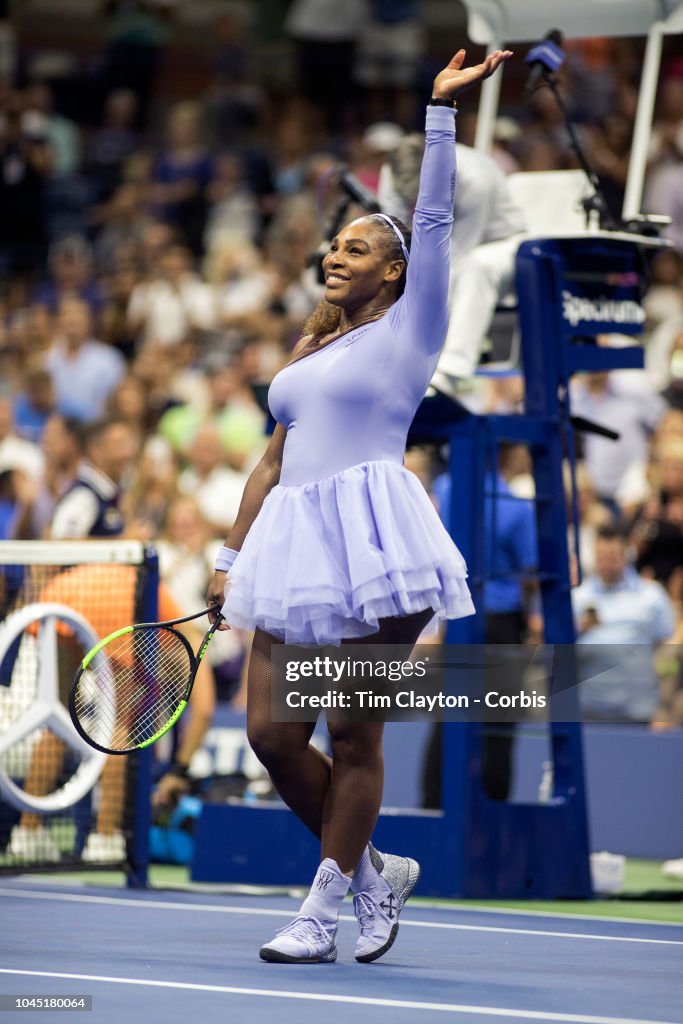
[155, 262]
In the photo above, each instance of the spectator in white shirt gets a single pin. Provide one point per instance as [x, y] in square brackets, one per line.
[60, 446]
[234, 209]
[625, 403]
[15, 452]
[174, 304]
[487, 230]
[243, 284]
[216, 488]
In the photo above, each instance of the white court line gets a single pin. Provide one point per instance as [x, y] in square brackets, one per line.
[299, 892]
[111, 901]
[562, 915]
[323, 997]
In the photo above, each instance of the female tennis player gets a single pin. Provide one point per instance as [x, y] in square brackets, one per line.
[336, 541]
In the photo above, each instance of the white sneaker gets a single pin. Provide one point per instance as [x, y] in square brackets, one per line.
[33, 844]
[377, 912]
[673, 869]
[305, 940]
[101, 848]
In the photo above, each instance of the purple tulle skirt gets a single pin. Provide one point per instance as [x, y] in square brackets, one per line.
[325, 561]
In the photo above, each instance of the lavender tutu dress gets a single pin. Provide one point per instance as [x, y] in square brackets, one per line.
[349, 536]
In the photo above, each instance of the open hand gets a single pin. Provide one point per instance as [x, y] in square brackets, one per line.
[455, 79]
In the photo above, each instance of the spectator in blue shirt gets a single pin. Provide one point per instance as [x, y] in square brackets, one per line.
[8, 505]
[34, 405]
[511, 549]
[84, 371]
[182, 174]
[511, 560]
[71, 273]
[621, 619]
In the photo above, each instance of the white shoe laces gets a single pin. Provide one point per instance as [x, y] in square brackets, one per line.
[365, 909]
[302, 927]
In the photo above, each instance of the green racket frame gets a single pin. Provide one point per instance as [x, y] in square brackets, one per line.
[195, 661]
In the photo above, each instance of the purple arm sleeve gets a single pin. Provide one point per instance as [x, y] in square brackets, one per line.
[421, 315]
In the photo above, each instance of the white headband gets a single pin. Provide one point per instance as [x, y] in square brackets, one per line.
[398, 232]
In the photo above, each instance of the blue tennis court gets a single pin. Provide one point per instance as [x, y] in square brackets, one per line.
[181, 956]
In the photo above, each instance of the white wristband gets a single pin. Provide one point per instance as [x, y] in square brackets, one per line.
[224, 559]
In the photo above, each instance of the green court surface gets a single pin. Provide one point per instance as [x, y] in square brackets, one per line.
[647, 895]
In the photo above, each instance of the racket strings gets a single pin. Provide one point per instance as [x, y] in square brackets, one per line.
[132, 687]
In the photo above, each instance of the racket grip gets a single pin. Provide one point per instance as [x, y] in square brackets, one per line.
[209, 637]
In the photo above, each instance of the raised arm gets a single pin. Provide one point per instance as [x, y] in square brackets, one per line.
[425, 302]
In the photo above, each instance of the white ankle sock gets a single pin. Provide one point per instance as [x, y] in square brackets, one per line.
[329, 888]
[366, 877]
[365, 873]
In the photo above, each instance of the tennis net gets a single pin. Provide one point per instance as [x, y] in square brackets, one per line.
[63, 804]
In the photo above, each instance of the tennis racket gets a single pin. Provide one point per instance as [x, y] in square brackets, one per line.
[134, 685]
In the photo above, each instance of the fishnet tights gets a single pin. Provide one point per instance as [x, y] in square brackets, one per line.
[337, 798]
